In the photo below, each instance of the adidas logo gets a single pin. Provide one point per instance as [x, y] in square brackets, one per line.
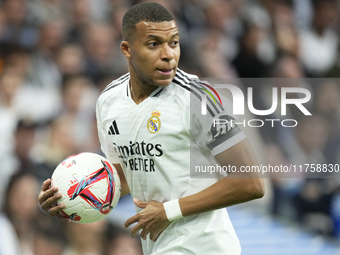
[113, 129]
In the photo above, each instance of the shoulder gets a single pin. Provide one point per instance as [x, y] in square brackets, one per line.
[116, 83]
[183, 80]
[198, 93]
[182, 76]
[185, 84]
[181, 87]
[113, 88]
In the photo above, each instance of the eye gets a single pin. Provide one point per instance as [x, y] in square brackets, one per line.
[174, 43]
[153, 44]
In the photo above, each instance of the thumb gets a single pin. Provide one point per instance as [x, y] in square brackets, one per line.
[139, 203]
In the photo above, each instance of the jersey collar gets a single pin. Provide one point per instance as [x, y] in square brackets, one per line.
[154, 93]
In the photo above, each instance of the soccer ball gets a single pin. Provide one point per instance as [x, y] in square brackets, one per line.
[90, 187]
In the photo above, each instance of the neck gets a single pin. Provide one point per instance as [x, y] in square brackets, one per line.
[140, 90]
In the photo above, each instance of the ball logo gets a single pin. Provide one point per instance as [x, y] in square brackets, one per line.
[69, 161]
[82, 188]
[154, 123]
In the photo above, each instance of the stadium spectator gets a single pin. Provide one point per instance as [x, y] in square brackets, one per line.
[49, 236]
[86, 238]
[80, 20]
[20, 208]
[119, 242]
[71, 60]
[319, 43]
[102, 52]
[19, 27]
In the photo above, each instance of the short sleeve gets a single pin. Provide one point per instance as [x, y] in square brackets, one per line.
[223, 133]
[216, 130]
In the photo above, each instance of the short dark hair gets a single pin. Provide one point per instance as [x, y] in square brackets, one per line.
[149, 12]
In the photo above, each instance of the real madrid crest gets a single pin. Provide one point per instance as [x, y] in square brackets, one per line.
[154, 123]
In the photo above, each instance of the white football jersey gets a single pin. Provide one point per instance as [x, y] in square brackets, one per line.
[154, 142]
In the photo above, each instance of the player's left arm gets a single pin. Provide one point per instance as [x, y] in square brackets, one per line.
[234, 189]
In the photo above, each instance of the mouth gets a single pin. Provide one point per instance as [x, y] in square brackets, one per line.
[165, 71]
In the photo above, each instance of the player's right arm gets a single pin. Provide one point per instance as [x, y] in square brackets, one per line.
[124, 185]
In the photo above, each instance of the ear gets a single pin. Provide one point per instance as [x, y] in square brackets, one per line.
[125, 48]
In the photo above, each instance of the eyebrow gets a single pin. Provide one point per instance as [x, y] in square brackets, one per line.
[160, 38]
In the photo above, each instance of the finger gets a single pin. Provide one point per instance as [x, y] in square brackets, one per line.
[139, 203]
[154, 236]
[52, 211]
[144, 233]
[47, 194]
[61, 215]
[131, 220]
[62, 218]
[135, 229]
[50, 201]
[46, 185]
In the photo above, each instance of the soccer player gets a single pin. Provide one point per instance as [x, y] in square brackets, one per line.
[148, 130]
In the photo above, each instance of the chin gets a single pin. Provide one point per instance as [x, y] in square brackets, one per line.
[163, 83]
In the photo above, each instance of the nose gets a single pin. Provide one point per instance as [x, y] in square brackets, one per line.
[167, 53]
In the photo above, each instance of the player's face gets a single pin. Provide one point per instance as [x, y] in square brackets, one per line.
[154, 53]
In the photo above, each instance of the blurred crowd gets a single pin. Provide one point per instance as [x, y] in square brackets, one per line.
[56, 56]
